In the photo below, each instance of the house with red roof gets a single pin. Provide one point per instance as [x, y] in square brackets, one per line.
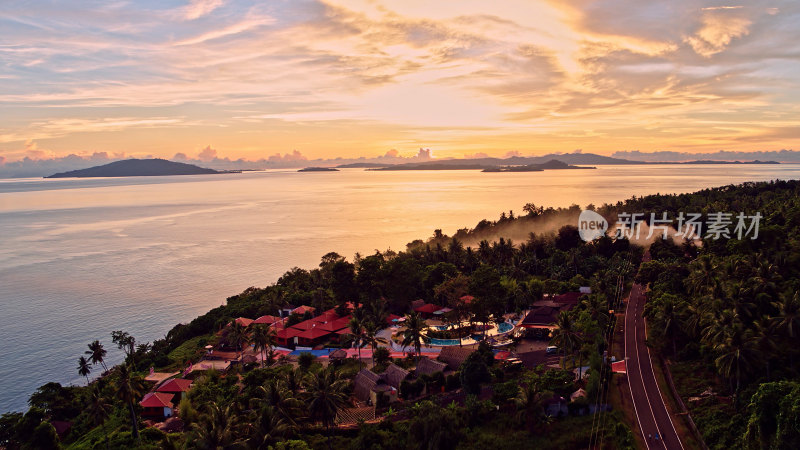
[312, 337]
[243, 321]
[285, 337]
[157, 405]
[303, 309]
[266, 320]
[177, 387]
[327, 316]
[305, 325]
[338, 324]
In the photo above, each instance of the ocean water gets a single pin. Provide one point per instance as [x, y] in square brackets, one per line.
[82, 257]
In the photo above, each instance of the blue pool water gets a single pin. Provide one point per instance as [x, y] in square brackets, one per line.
[505, 327]
[435, 341]
[440, 327]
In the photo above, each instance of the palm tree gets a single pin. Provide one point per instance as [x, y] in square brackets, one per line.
[326, 395]
[357, 330]
[378, 312]
[766, 337]
[216, 429]
[701, 279]
[670, 320]
[530, 404]
[99, 409]
[84, 369]
[237, 336]
[788, 320]
[266, 427]
[738, 354]
[372, 339]
[277, 395]
[294, 380]
[263, 339]
[129, 388]
[97, 354]
[414, 334]
[566, 336]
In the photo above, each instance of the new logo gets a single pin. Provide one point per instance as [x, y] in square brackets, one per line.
[591, 225]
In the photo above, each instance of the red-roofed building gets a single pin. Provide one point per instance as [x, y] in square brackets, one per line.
[305, 325]
[467, 299]
[329, 326]
[157, 405]
[243, 321]
[286, 336]
[341, 322]
[390, 319]
[569, 298]
[176, 387]
[304, 309]
[427, 309]
[266, 320]
[312, 337]
[327, 316]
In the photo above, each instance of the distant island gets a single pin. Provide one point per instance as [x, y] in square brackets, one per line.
[360, 165]
[138, 168]
[485, 165]
[318, 169]
[527, 163]
[553, 164]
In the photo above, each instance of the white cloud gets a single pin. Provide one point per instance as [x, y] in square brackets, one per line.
[199, 8]
[717, 32]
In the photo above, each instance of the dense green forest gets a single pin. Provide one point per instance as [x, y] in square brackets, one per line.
[724, 312]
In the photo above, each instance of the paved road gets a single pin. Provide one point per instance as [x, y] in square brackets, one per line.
[651, 412]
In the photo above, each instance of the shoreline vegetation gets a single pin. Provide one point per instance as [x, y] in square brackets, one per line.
[724, 314]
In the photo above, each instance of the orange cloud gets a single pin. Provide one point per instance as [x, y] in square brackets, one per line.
[207, 154]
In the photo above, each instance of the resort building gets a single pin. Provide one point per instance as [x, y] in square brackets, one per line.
[454, 356]
[177, 387]
[157, 405]
[427, 366]
[544, 313]
[369, 386]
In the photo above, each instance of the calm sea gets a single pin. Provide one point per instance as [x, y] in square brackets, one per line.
[82, 257]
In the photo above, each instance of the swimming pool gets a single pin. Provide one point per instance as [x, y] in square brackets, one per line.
[440, 327]
[504, 327]
[435, 341]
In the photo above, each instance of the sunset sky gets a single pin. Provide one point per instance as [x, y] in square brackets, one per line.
[352, 78]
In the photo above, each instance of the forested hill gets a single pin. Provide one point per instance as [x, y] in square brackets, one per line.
[137, 168]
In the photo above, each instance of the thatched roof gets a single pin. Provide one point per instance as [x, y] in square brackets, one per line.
[394, 375]
[427, 366]
[454, 356]
[338, 354]
[364, 381]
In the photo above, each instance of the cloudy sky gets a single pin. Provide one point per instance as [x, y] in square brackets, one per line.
[362, 77]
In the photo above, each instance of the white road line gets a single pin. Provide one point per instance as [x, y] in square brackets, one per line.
[644, 386]
[661, 394]
[630, 388]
